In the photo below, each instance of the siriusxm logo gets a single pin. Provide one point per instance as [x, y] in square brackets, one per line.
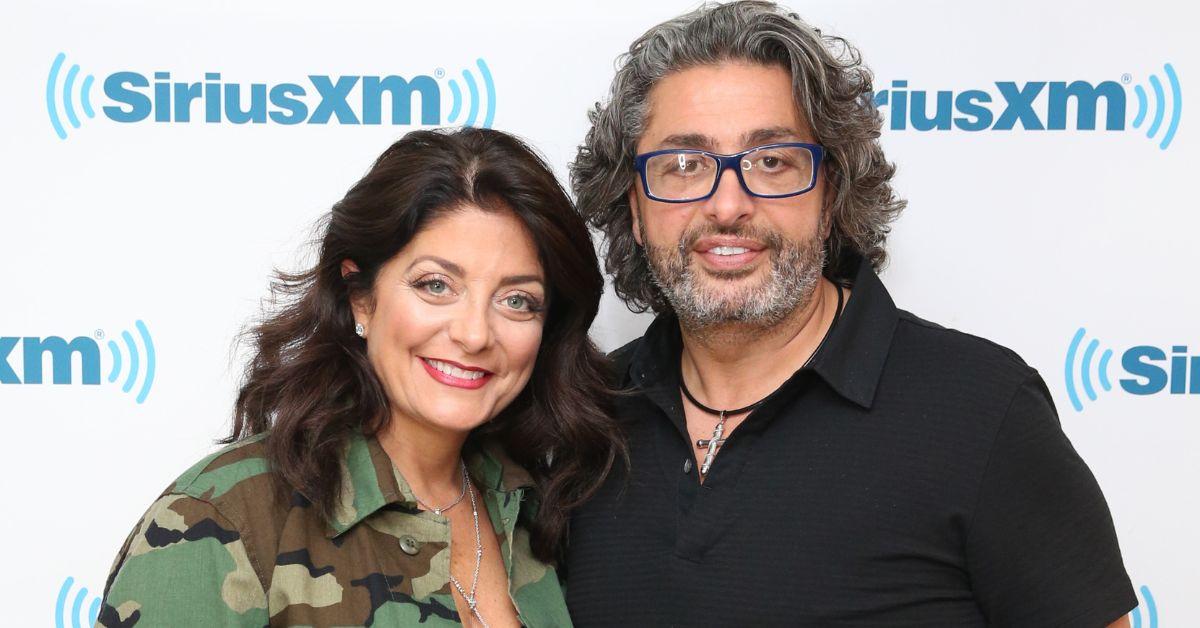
[125, 360]
[76, 611]
[1038, 106]
[1151, 370]
[1147, 607]
[132, 97]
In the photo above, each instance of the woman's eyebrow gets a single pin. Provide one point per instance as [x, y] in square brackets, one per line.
[517, 279]
[444, 263]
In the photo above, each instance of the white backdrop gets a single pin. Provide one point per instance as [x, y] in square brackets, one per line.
[1022, 236]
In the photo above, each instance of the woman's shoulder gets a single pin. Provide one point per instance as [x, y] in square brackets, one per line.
[237, 468]
[199, 528]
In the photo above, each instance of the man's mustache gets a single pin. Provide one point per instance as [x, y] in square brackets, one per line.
[769, 238]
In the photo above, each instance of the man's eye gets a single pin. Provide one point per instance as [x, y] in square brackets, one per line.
[685, 164]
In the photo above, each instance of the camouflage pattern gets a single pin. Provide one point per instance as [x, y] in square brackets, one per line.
[223, 547]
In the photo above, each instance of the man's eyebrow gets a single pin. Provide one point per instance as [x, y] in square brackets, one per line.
[768, 135]
[688, 140]
[749, 139]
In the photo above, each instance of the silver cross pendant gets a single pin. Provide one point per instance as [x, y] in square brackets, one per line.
[712, 444]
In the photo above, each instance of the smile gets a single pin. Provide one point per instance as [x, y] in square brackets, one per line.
[725, 254]
[456, 375]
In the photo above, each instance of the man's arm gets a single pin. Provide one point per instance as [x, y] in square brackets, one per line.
[1041, 546]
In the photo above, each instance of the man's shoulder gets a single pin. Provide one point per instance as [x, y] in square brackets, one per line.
[943, 350]
[622, 356]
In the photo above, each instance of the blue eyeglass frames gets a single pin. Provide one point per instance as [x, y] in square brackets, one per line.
[684, 175]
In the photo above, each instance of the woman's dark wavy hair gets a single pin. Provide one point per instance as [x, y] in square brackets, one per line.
[831, 87]
[310, 385]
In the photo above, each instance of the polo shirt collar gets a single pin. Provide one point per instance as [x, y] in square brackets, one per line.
[851, 362]
[854, 354]
[370, 481]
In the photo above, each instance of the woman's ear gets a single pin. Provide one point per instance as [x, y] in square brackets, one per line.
[358, 302]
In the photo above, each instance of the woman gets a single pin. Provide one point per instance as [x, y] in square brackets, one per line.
[416, 424]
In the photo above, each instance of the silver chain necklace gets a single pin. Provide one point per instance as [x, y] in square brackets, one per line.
[472, 601]
[438, 511]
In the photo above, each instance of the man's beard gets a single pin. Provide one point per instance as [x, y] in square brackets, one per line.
[702, 303]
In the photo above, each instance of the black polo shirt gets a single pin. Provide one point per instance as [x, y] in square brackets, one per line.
[910, 476]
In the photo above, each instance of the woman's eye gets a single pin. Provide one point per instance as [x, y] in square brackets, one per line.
[433, 287]
[521, 303]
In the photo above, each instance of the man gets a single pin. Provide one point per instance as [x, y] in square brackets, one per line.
[802, 452]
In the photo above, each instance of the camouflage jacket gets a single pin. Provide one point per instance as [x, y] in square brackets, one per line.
[220, 547]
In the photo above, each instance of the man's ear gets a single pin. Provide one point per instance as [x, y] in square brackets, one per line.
[635, 214]
[827, 209]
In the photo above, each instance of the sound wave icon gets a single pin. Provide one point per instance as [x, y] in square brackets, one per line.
[1151, 610]
[68, 92]
[1085, 369]
[77, 617]
[134, 361]
[1160, 106]
[473, 98]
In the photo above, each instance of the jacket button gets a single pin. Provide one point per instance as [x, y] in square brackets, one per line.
[409, 545]
[687, 465]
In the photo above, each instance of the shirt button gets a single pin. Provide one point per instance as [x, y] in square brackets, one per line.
[687, 465]
[409, 545]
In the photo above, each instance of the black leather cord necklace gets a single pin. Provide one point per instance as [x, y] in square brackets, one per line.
[714, 443]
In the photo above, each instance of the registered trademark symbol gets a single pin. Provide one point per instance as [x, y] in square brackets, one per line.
[439, 73]
[1126, 78]
[99, 334]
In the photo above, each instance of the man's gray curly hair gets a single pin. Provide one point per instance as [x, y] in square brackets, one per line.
[832, 89]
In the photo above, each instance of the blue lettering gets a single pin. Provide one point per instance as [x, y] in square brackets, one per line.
[1179, 370]
[1019, 106]
[401, 92]
[7, 374]
[333, 99]
[941, 117]
[60, 358]
[258, 104]
[1137, 362]
[966, 103]
[284, 97]
[162, 97]
[1085, 98]
[212, 97]
[138, 104]
[184, 95]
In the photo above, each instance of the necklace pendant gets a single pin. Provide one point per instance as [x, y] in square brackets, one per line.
[712, 444]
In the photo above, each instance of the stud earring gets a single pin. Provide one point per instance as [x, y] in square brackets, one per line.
[360, 330]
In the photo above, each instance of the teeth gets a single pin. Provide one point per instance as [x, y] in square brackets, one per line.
[728, 250]
[454, 371]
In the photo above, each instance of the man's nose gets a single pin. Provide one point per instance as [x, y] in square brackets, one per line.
[731, 204]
